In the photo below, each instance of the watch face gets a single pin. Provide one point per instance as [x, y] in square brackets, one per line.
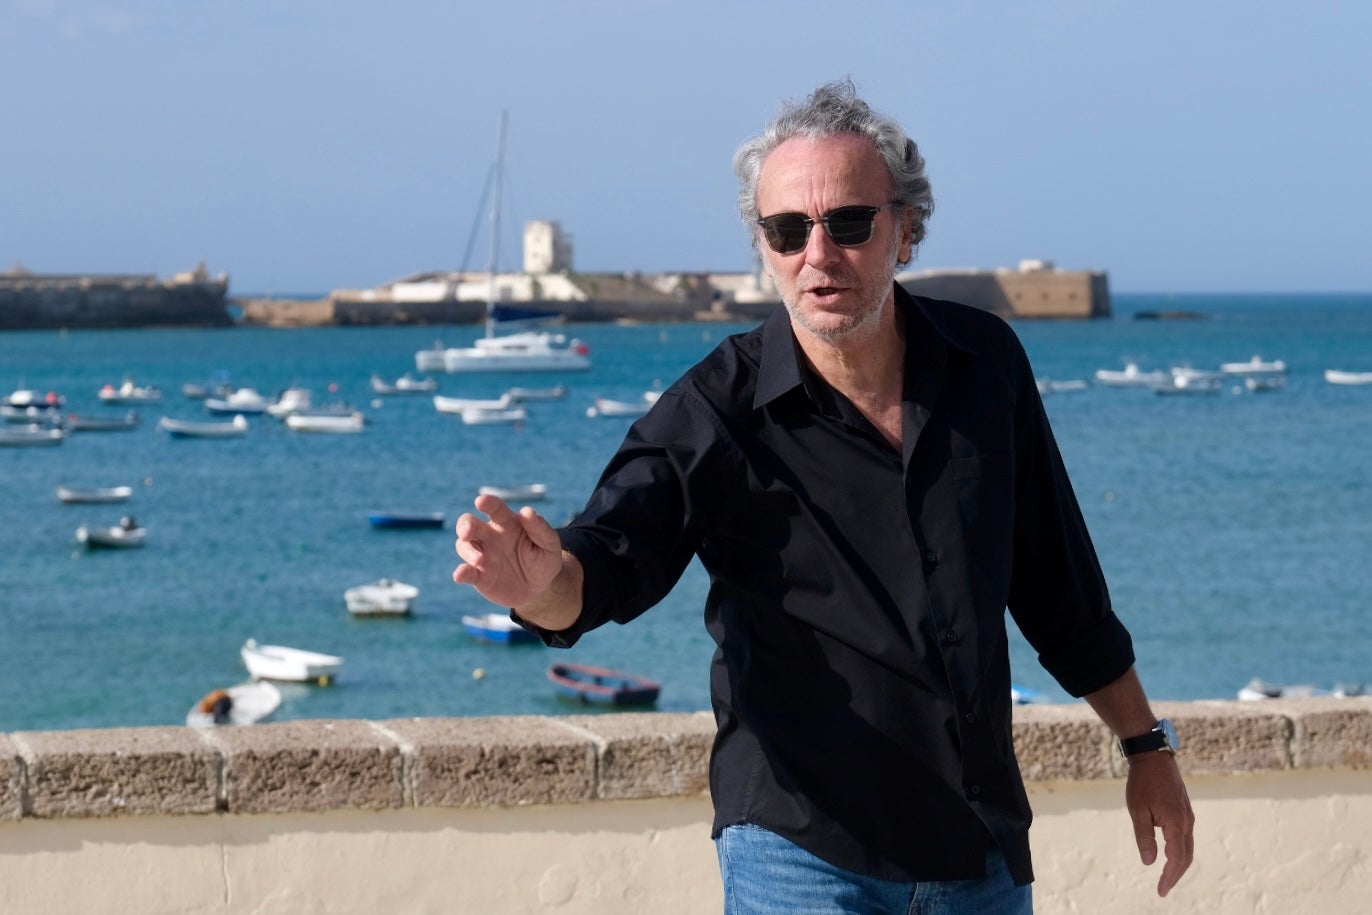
[1170, 732]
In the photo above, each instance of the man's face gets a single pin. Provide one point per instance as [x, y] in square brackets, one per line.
[833, 293]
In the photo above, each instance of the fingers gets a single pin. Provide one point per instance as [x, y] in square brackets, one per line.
[1178, 851]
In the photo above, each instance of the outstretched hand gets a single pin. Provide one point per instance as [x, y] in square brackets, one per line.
[1157, 799]
[510, 558]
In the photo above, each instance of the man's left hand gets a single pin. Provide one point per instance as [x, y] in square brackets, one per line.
[1157, 799]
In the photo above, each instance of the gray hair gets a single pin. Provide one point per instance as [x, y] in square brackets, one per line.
[835, 109]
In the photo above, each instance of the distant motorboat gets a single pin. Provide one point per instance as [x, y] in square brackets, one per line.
[103, 495]
[243, 400]
[405, 384]
[1254, 366]
[457, 404]
[406, 520]
[128, 392]
[1263, 384]
[522, 394]
[25, 398]
[483, 416]
[1337, 376]
[384, 597]
[529, 351]
[326, 423]
[178, 428]
[79, 422]
[246, 703]
[29, 436]
[602, 686]
[607, 407]
[127, 534]
[1189, 384]
[1131, 376]
[277, 662]
[1258, 689]
[1050, 386]
[291, 400]
[528, 492]
[497, 627]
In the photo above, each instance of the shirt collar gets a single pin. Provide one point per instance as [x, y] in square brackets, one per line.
[927, 339]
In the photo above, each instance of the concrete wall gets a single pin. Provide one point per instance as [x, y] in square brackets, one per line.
[609, 814]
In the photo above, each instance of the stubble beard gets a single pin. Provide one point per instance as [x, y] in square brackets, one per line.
[860, 324]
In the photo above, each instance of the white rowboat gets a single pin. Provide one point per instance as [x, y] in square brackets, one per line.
[277, 662]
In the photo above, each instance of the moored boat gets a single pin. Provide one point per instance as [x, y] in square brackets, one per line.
[80, 422]
[384, 597]
[1338, 376]
[405, 384]
[179, 428]
[243, 400]
[127, 534]
[327, 423]
[406, 520]
[246, 703]
[527, 492]
[604, 406]
[128, 392]
[1131, 376]
[29, 436]
[482, 416]
[458, 404]
[556, 392]
[601, 686]
[497, 627]
[102, 495]
[1254, 366]
[277, 662]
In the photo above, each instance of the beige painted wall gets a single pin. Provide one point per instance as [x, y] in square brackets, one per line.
[1283, 842]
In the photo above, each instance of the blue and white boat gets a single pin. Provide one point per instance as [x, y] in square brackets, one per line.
[497, 627]
[406, 520]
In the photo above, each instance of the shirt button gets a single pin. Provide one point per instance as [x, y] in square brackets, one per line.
[951, 637]
[975, 790]
[931, 557]
[970, 718]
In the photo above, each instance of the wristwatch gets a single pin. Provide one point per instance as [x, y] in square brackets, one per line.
[1162, 737]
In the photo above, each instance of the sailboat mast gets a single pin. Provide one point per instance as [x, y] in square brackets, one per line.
[495, 226]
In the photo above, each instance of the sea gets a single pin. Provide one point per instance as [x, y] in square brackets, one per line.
[1235, 529]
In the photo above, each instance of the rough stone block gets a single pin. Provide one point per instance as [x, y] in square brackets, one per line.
[650, 754]
[498, 761]
[294, 766]
[93, 773]
[1330, 733]
[1218, 738]
[1061, 742]
[11, 781]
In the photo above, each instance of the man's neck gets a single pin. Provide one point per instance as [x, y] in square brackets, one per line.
[867, 368]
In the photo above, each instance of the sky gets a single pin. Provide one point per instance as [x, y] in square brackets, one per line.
[303, 146]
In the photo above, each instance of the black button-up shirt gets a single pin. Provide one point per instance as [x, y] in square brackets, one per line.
[861, 682]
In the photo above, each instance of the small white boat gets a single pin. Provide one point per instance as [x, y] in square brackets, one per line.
[327, 423]
[128, 392]
[385, 597]
[405, 384]
[103, 495]
[292, 400]
[1050, 386]
[79, 422]
[277, 662]
[246, 703]
[1337, 376]
[1189, 384]
[1131, 376]
[458, 404]
[25, 398]
[1263, 384]
[179, 428]
[1258, 689]
[482, 416]
[606, 407]
[528, 351]
[430, 359]
[29, 436]
[556, 392]
[1255, 366]
[529, 492]
[127, 534]
[243, 400]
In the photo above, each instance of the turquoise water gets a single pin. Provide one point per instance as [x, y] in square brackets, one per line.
[1235, 530]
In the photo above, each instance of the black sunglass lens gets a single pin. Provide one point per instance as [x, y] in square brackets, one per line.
[786, 232]
[850, 226]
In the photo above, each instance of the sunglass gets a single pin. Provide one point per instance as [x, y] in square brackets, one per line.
[847, 227]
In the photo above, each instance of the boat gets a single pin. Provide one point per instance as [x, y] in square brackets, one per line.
[179, 428]
[1338, 376]
[406, 521]
[128, 392]
[1186, 384]
[520, 395]
[405, 384]
[127, 534]
[103, 495]
[606, 407]
[1131, 376]
[325, 422]
[30, 415]
[1022, 695]
[79, 422]
[246, 703]
[1258, 689]
[1050, 386]
[497, 627]
[1254, 366]
[31, 435]
[430, 359]
[291, 400]
[528, 492]
[243, 400]
[458, 404]
[384, 597]
[277, 662]
[602, 686]
[1262, 384]
[26, 398]
[483, 416]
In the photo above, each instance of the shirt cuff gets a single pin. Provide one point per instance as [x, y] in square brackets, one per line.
[1096, 658]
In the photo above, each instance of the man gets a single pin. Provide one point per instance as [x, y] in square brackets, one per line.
[870, 481]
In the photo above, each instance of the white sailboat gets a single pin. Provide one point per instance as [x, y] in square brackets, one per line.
[526, 351]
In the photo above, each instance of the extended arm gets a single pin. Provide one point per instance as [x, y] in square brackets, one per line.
[516, 560]
[1154, 792]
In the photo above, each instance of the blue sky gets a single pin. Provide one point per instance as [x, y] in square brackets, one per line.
[307, 145]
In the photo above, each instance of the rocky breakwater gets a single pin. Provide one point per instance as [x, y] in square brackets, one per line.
[33, 301]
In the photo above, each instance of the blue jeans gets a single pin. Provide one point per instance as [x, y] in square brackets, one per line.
[765, 874]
